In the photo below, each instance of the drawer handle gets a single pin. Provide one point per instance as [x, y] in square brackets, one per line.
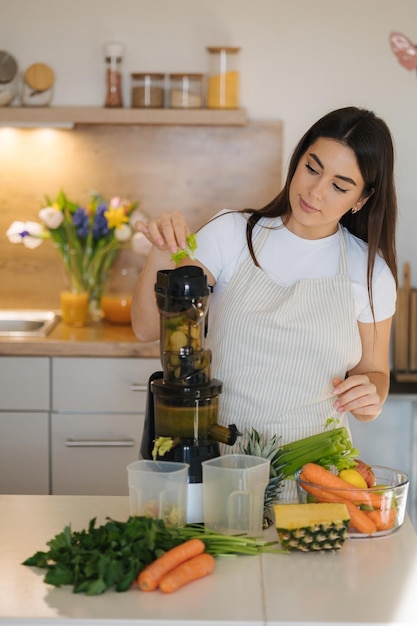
[137, 387]
[99, 443]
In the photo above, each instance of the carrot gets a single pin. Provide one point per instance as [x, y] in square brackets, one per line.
[383, 519]
[358, 518]
[193, 569]
[319, 475]
[149, 578]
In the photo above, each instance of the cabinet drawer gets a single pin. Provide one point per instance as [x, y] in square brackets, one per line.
[24, 383]
[24, 453]
[101, 384]
[90, 453]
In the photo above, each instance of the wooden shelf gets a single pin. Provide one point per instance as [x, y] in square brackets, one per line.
[73, 116]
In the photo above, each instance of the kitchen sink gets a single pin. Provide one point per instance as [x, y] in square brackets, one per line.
[27, 323]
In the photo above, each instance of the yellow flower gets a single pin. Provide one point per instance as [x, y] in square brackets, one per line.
[115, 217]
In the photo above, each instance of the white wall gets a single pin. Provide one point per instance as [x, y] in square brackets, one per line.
[299, 59]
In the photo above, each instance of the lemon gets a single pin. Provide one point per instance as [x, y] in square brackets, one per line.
[353, 477]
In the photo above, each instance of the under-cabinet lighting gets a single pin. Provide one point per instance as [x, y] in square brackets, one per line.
[62, 125]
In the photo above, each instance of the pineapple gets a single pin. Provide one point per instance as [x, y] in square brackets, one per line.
[311, 527]
[257, 445]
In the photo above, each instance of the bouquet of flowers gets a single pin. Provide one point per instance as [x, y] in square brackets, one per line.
[87, 238]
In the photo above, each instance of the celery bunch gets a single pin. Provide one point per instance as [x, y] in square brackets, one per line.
[329, 448]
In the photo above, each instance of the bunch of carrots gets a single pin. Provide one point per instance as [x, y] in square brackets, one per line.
[369, 511]
[177, 567]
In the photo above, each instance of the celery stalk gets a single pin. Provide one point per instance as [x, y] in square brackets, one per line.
[330, 447]
[339, 433]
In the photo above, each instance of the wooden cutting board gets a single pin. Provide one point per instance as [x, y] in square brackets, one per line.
[401, 323]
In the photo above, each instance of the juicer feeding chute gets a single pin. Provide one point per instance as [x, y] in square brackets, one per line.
[181, 417]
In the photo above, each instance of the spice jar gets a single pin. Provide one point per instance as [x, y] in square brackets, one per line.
[8, 78]
[223, 78]
[114, 55]
[37, 85]
[186, 91]
[148, 90]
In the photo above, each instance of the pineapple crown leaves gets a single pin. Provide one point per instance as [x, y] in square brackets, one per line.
[260, 445]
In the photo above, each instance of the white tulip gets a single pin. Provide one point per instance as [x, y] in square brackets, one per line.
[123, 233]
[140, 244]
[28, 233]
[51, 217]
[137, 216]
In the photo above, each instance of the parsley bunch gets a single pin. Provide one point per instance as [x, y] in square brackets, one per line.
[113, 555]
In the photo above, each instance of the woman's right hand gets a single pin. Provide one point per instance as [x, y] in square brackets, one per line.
[169, 231]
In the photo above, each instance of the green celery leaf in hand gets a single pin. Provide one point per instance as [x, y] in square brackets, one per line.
[188, 251]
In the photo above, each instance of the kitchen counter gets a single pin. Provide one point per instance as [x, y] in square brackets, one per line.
[367, 581]
[96, 339]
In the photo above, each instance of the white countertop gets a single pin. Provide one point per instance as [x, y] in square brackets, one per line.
[367, 581]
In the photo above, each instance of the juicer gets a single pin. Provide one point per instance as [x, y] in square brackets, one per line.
[182, 408]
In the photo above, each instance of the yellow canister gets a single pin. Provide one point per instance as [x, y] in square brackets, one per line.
[223, 78]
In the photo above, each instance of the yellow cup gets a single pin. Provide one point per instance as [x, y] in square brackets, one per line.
[74, 307]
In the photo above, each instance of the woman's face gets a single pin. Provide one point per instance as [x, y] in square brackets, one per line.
[326, 184]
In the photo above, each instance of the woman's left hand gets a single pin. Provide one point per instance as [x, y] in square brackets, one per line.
[357, 395]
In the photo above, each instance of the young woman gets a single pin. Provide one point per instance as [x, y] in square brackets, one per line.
[304, 289]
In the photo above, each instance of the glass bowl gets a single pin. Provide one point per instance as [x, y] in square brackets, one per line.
[384, 504]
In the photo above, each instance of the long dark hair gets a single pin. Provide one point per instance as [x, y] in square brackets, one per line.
[370, 139]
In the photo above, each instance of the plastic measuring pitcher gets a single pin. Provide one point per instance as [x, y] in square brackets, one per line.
[233, 493]
[158, 489]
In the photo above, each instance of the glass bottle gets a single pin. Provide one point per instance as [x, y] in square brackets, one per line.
[223, 78]
[114, 56]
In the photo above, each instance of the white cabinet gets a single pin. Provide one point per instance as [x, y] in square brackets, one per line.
[98, 409]
[24, 383]
[24, 425]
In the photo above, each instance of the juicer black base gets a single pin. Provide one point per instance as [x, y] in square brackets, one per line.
[187, 451]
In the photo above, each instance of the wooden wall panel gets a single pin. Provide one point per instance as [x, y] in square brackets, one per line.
[196, 169]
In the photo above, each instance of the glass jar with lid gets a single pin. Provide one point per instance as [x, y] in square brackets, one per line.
[223, 78]
[37, 88]
[147, 90]
[8, 78]
[186, 91]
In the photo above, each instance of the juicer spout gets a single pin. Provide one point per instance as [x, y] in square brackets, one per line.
[224, 434]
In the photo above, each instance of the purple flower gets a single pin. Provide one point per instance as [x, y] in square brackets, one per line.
[100, 226]
[80, 220]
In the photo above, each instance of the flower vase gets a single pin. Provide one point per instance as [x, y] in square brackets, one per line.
[94, 303]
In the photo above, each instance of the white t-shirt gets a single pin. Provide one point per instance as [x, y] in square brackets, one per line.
[287, 258]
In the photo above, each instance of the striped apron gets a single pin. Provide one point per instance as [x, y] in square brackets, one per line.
[277, 349]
